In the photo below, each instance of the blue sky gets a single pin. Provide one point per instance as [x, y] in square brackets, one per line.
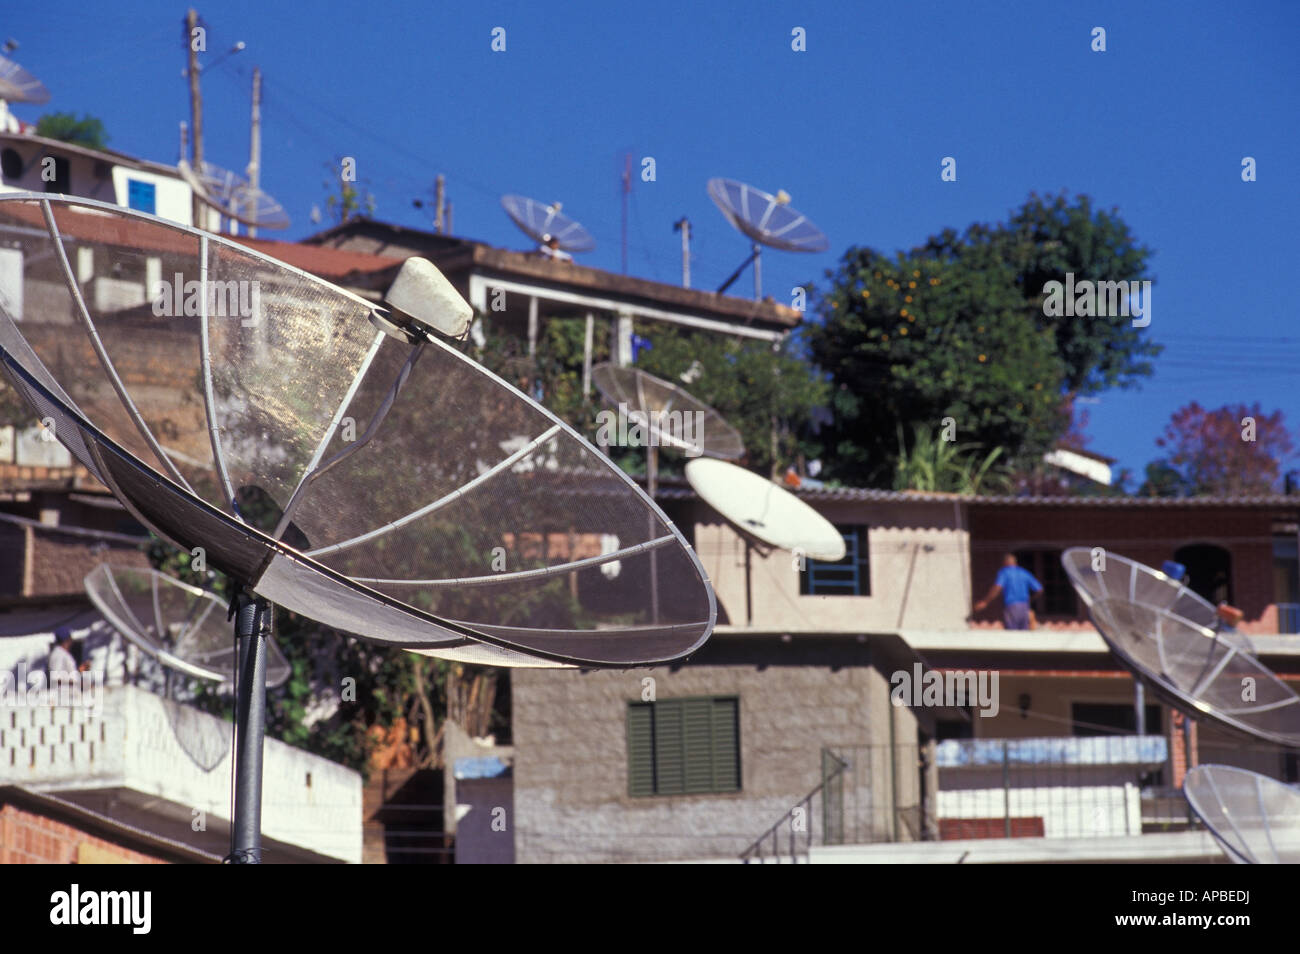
[854, 129]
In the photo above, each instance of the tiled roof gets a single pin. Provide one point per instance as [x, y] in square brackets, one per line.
[320, 260]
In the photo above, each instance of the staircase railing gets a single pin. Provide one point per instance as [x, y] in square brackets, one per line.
[798, 822]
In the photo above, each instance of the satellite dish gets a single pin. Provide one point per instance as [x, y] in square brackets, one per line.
[1120, 577]
[671, 416]
[183, 627]
[545, 224]
[19, 86]
[378, 481]
[1254, 818]
[1197, 671]
[766, 220]
[233, 196]
[762, 510]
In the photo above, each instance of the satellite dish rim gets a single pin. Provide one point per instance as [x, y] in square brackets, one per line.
[1208, 770]
[193, 180]
[723, 500]
[1179, 698]
[458, 633]
[717, 186]
[674, 443]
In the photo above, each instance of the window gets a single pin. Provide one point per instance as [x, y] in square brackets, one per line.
[848, 577]
[1058, 595]
[61, 182]
[1209, 570]
[1100, 718]
[683, 746]
[141, 196]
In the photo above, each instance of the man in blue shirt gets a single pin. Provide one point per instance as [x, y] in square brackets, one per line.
[1017, 585]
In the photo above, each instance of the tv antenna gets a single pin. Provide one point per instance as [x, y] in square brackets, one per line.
[766, 220]
[341, 459]
[1196, 669]
[764, 514]
[233, 197]
[1254, 818]
[557, 235]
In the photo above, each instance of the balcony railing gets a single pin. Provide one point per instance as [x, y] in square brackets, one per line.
[1288, 617]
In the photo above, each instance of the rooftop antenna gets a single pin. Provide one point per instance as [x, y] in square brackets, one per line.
[1197, 669]
[348, 463]
[1254, 818]
[557, 235]
[766, 220]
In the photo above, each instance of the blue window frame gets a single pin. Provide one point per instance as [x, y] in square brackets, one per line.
[141, 196]
[850, 576]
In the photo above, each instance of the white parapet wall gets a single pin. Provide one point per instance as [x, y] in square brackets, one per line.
[135, 740]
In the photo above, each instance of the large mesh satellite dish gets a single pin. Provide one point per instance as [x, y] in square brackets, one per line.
[19, 86]
[363, 473]
[1255, 819]
[233, 196]
[765, 219]
[547, 225]
[1197, 671]
[183, 627]
[671, 416]
[1108, 576]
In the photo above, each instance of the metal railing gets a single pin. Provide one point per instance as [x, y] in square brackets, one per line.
[798, 825]
[1288, 617]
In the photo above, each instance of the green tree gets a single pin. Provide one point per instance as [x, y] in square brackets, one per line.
[347, 199]
[956, 328]
[86, 131]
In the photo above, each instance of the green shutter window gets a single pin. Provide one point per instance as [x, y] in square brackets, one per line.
[640, 749]
[683, 746]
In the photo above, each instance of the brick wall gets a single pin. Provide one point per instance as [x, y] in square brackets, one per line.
[1149, 536]
[30, 838]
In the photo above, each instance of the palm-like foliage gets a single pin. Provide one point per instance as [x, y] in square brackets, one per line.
[935, 464]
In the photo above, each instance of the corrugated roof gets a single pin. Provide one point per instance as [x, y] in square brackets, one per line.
[679, 490]
[321, 260]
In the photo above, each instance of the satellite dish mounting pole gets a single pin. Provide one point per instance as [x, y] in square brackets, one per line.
[758, 272]
[683, 225]
[252, 618]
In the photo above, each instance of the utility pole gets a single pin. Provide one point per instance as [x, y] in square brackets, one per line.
[196, 107]
[255, 147]
[450, 227]
[683, 225]
[439, 200]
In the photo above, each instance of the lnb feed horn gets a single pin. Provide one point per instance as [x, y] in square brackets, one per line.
[420, 300]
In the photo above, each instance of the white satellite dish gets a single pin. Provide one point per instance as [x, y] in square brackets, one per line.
[233, 197]
[545, 224]
[765, 219]
[1254, 818]
[761, 509]
[19, 86]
